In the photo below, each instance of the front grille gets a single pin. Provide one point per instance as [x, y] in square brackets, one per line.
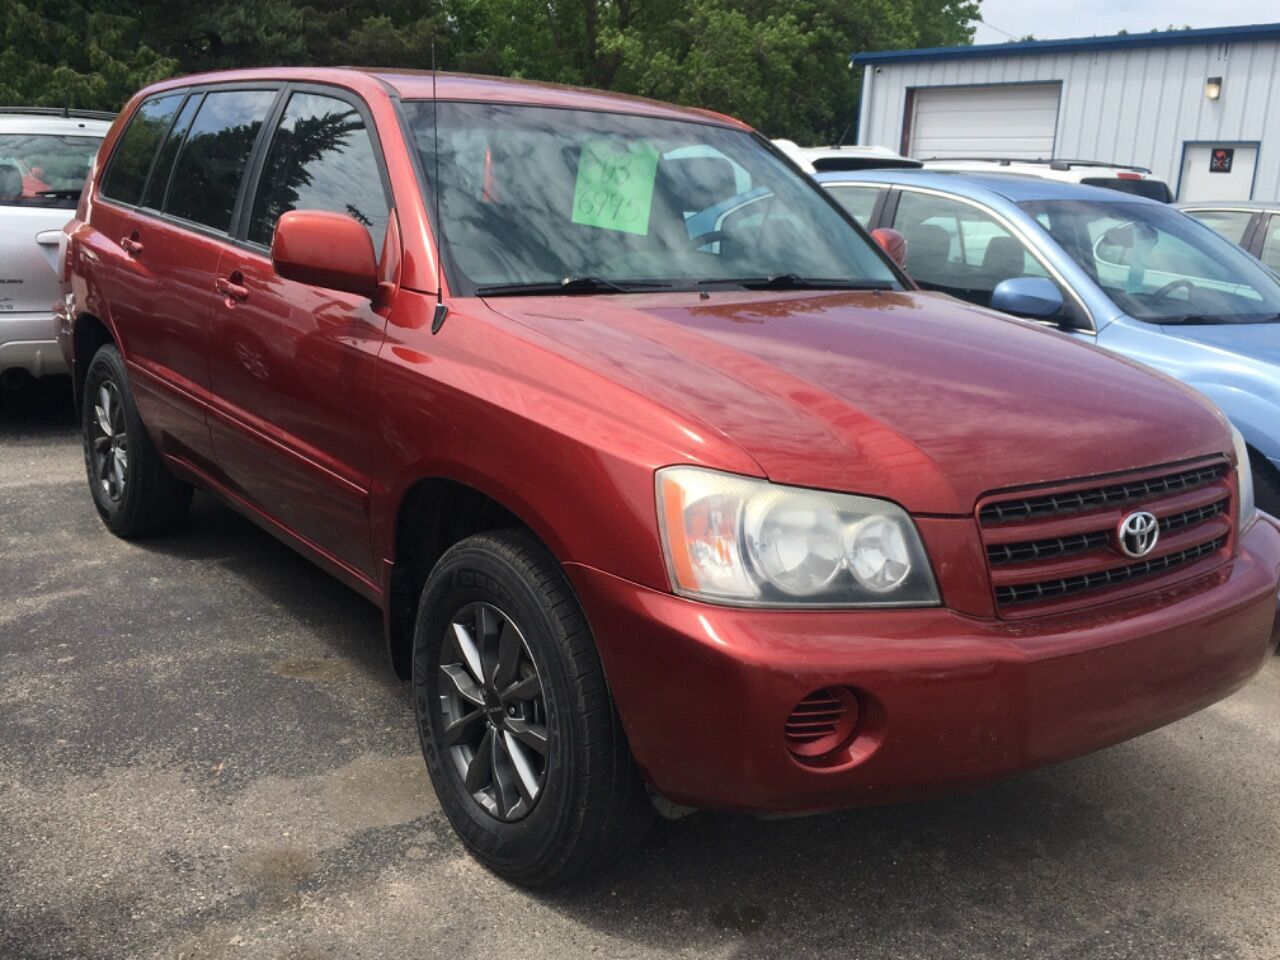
[1003, 553]
[1049, 589]
[1112, 495]
[1060, 546]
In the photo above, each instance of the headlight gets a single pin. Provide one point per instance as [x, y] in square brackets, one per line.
[737, 540]
[1244, 477]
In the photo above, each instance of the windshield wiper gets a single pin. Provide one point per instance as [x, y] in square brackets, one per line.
[570, 285]
[793, 281]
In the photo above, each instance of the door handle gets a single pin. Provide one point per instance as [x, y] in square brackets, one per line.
[233, 291]
[131, 244]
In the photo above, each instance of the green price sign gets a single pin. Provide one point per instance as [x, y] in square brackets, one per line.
[615, 185]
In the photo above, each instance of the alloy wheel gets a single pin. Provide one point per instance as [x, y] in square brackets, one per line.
[494, 712]
[109, 442]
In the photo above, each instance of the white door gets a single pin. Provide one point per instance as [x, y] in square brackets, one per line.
[1014, 120]
[1218, 171]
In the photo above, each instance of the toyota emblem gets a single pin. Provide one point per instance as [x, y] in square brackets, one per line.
[1138, 533]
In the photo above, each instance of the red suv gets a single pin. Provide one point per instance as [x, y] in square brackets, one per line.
[673, 490]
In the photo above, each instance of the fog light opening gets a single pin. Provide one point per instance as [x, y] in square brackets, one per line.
[822, 723]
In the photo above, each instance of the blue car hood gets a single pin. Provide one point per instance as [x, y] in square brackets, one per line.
[1259, 341]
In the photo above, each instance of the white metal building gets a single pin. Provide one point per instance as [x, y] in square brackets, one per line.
[1200, 108]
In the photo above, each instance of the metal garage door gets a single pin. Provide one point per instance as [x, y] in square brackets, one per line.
[1016, 120]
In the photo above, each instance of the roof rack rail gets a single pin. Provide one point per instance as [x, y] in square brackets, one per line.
[65, 112]
[1055, 163]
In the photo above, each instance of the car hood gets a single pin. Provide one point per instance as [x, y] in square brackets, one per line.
[1258, 341]
[909, 396]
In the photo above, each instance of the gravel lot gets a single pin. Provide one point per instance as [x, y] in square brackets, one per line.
[204, 755]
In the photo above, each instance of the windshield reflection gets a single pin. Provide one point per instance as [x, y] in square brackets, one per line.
[540, 196]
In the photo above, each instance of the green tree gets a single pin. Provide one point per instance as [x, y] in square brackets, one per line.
[781, 65]
[74, 54]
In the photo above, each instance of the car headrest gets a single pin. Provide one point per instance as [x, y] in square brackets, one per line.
[1004, 258]
[10, 180]
[928, 247]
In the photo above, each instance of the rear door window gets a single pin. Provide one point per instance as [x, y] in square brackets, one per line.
[859, 201]
[321, 158]
[127, 174]
[1270, 252]
[1230, 224]
[212, 162]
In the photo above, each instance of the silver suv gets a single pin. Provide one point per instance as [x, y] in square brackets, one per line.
[45, 155]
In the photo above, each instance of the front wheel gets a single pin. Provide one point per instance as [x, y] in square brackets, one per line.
[1266, 485]
[133, 490]
[519, 732]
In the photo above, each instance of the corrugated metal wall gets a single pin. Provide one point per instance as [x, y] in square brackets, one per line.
[1126, 106]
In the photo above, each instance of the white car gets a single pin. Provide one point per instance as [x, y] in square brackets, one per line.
[843, 157]
[1114, 176]
[45, 155]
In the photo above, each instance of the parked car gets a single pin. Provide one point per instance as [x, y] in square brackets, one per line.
[732, 520]
[44, 159]
[1135, 180]
[1124, 273]
[1249, 224]
[844, 157]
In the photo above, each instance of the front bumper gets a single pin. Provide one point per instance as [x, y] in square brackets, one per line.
[949, 700]
[29, 342]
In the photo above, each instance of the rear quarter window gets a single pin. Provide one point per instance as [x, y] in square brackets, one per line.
[860, 202]
[127, 173]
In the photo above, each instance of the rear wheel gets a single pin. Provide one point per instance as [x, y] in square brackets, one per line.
[133, 490]
[517, 727]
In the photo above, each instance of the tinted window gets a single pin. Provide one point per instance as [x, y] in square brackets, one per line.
[957, 247]
[44, 170]
[321, 158]
[1228, 224]
[1271, 244]
[1151, 189]
[212, 162]
[154, 195]
[132, 158]
[859, 201]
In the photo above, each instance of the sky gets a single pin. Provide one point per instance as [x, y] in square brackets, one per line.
[1051, 19]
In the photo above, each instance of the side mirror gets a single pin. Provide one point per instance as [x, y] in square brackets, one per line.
[1027, 297]
[323, 249]
[893, 243]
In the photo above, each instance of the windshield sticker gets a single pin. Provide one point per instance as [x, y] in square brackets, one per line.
[615, 184]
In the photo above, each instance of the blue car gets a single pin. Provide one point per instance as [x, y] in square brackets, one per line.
[1124, 273]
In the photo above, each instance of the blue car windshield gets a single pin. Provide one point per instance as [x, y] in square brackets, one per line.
[1159, 265]
[535, 197]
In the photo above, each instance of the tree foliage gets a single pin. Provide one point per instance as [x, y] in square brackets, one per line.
[781, 65]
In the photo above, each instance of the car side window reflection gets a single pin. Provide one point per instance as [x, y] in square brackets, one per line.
[860, 202]
[1228, 224]
[212, 163]
[1271, 245]
[321, 158]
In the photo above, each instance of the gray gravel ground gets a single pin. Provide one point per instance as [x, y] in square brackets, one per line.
[203, 755]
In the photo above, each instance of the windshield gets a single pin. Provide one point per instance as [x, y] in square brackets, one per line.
[602, 202]
[1159, 265]
[42, 170]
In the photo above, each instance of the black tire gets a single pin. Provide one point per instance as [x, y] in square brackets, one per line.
[592, 806]
[147, 499]
[1266, 484]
